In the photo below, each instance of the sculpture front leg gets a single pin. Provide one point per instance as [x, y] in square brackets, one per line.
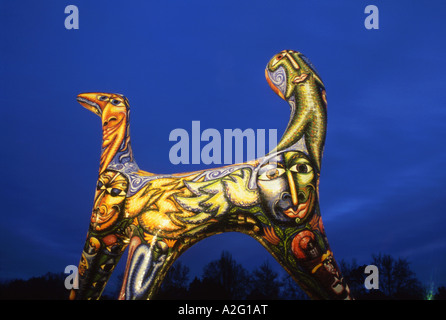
[143, 270]
[99, 258]
[107, 238]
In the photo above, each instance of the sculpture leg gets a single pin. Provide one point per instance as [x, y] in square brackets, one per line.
[146, 266]
[292, 226]
[99, 258]
[306, 256]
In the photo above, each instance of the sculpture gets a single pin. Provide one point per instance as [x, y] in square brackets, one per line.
[158, 216]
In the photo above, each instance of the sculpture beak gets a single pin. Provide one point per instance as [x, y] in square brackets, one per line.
[89, 101]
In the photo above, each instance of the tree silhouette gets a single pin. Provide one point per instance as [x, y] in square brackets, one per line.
[441, 293]
[47, 287]
[175, 284]
[396, 280]
[232, 277]
[207, 289]
[265, 283]
[354, 276]
[291, 290]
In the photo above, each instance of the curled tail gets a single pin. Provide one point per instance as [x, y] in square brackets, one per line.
[292, 76]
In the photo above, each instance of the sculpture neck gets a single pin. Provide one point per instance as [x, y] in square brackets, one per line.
[116, 146]
[307, 95]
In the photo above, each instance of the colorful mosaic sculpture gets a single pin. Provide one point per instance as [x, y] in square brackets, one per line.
[157, 217]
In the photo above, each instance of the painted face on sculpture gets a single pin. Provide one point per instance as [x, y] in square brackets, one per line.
[113, 116]
[110, 195]
[287, 187]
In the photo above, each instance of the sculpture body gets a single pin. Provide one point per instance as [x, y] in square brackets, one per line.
[157, 217]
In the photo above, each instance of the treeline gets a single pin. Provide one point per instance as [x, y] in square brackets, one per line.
[225, 279]
[47, 287]
[396, 281]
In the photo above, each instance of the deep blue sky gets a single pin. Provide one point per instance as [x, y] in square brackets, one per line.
[383, 182]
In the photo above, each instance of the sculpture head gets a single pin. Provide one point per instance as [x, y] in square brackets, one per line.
[100, 102]
[289, 69]
[114, 112]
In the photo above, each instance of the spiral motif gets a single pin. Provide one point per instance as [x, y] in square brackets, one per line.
[136, 183]
[221, 172]
[278, 78]
[143, 271]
